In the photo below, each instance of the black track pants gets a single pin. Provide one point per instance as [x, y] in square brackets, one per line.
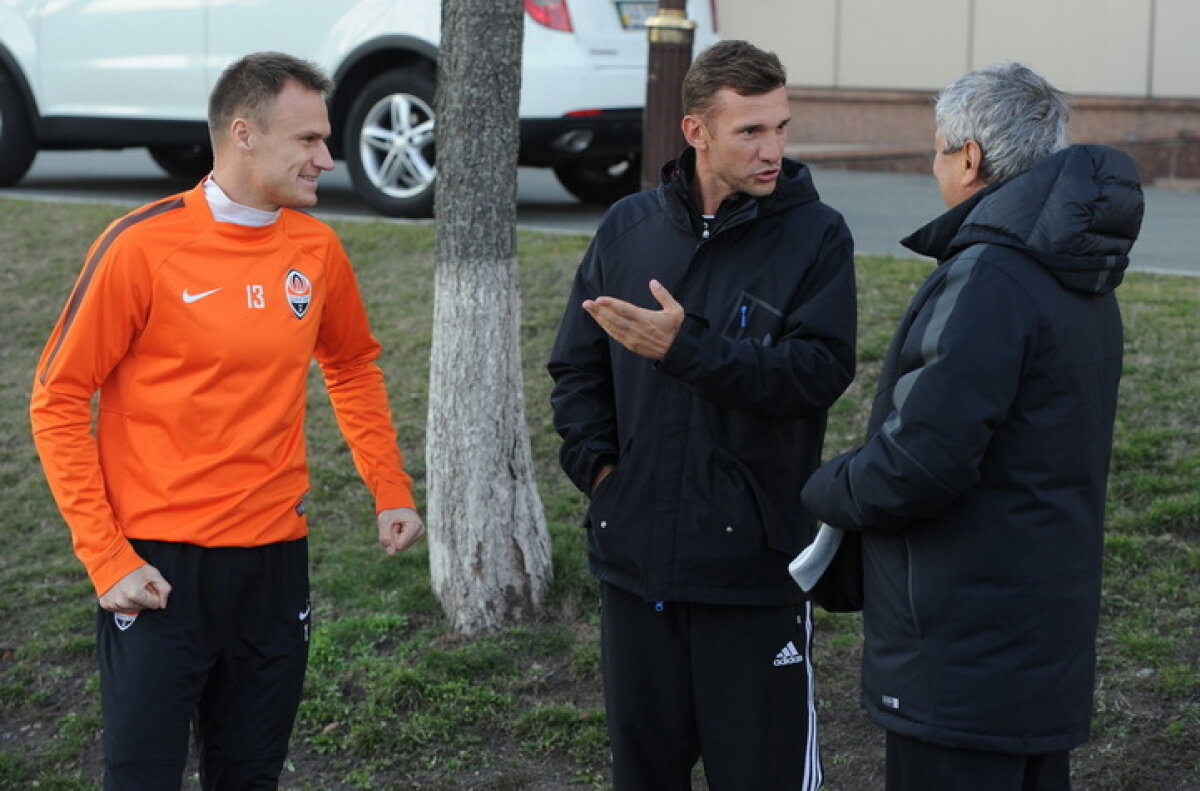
[732, 685]
[915, 765]
[228, 653]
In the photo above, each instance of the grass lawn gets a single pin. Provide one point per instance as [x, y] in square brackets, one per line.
[394, 701]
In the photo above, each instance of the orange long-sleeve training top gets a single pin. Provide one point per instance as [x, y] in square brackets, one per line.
[199, 336]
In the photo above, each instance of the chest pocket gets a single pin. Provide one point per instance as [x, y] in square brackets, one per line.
[752, 317]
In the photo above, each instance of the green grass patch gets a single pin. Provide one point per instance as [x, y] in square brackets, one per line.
[563, 726]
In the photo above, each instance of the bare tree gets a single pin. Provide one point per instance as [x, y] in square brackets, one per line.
[489, 547]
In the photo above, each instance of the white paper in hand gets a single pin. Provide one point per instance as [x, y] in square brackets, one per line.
[811, 563]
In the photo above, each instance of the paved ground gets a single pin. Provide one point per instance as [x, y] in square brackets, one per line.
[880, 208]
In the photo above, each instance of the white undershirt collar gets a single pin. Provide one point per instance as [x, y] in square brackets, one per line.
[224, 209]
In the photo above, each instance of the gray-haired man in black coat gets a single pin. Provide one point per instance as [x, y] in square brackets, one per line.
[979, 492]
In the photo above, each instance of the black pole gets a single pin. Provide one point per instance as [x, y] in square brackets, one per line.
[671, 35]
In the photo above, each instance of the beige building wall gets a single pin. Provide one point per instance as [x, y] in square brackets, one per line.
[1176, 62]
[1094, 47]
[799, 32]
[891, 44]
[1118, 48]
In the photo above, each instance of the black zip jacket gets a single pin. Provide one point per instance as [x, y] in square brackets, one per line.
[713, 442]
[980, 489]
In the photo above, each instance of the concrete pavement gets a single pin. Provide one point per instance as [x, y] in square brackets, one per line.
[882, 208]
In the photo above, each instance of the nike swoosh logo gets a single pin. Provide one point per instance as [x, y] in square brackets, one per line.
[190, 298]
[304, 613]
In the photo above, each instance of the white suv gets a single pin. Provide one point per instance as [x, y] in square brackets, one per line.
[120, 73]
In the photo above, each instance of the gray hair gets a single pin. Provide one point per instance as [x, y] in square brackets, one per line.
[1016, 117]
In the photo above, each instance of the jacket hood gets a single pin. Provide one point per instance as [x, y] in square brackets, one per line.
[1077, 213]
[794, 187]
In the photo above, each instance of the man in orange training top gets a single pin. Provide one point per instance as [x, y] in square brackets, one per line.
[196, 318]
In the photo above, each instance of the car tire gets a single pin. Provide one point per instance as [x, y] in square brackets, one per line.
[601, 181]
[189, 162]
[389, 145]
[17, 146]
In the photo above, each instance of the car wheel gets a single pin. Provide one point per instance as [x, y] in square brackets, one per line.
[389, 146]
[601, 181]
[17, 147]
[190, 162]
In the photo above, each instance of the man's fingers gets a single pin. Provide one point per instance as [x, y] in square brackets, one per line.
[387, 540]
[402, 535]
[604, 315]
[149, 597]
[610, 322]
[406, 535]
[141, 589]
[613, 305]
[614, 313]
[664, 297]
[159, 590]
[144, 599]
[399, 529]
[644, 332]
[605, 471]
[156, 588]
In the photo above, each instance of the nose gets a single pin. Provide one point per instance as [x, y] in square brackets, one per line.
[773, 145]
[323, 159]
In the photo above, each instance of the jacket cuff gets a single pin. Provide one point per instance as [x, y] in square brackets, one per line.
[685, 346]
[394, 495]
[113, 569]
[586, 463]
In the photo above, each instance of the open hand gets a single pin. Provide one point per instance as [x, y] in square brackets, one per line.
[648, 333]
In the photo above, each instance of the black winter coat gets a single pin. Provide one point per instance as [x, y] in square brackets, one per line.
[980, 489]
[713, 442]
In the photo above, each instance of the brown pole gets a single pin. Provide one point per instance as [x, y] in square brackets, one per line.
[671, 35]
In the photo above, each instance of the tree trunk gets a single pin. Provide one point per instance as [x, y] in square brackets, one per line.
[489, 548]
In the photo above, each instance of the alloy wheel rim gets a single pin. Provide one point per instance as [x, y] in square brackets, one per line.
[396, 145]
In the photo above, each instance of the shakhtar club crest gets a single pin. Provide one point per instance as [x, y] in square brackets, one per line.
[299, 292]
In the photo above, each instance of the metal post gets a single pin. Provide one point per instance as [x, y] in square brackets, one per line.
[671, 35]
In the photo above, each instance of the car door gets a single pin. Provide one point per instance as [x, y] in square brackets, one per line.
[317, 30]
[121, 59]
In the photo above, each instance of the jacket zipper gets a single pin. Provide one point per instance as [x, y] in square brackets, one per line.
[912, 603]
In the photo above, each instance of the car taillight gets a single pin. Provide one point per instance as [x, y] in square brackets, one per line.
[551, 13]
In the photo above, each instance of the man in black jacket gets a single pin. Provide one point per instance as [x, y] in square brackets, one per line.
[979, 492]
[711, 325]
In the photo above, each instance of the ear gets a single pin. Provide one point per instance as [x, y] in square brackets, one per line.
[241, 134]
[694, 132]
[971, 176]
